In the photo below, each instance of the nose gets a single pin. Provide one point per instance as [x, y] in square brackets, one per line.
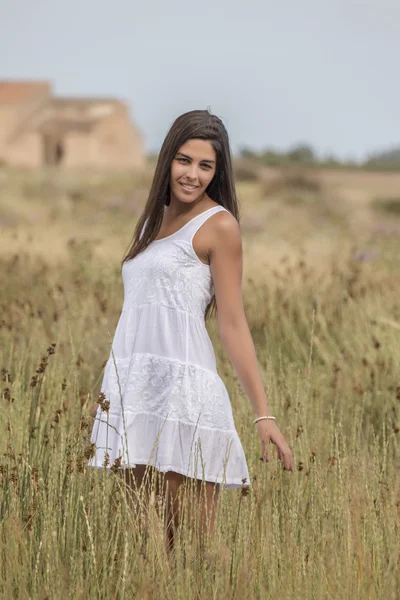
[191, 172]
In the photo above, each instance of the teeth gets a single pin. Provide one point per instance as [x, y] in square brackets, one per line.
[189, 187]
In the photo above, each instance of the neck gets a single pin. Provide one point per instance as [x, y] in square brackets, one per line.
[176, 207]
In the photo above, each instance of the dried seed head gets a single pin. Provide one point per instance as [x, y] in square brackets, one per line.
[244, 488]
[376, 342]
[103, 403]
[116, 466]
[80, 463]
[7, 395]
[43, 364]
[6, 377]
[90, 451]
[84, 424]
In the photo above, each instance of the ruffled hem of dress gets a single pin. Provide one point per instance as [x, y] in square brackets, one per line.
[169, 445]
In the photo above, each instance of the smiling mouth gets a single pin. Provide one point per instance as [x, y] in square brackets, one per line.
[189, 187]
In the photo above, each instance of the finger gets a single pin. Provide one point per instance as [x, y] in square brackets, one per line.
[278, 449]
[288, 462]
[265, 451]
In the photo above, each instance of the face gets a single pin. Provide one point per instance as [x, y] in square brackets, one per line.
[192, 169]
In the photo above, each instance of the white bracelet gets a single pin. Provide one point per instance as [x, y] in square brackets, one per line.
[259, 419]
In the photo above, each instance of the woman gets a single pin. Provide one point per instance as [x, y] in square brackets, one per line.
[162, 401]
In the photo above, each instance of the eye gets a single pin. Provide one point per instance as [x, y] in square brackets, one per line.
[185, 160]
[206, 166]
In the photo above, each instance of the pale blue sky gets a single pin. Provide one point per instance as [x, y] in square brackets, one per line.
[278, 73]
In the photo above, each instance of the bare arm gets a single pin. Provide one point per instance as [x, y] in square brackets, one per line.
[226, 269]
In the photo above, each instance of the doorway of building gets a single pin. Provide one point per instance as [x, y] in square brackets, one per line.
[53, 150]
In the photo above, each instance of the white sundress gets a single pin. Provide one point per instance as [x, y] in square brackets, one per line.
[168, 406]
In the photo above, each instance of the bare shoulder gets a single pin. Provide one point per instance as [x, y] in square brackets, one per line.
[225, 221]
[225, 230]
[220, 234]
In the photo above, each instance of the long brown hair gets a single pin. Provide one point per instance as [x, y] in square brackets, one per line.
[196, 124]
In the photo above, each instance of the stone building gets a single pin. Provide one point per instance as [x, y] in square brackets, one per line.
[38, 129]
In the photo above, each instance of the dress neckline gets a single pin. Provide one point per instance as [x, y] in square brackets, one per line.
[183, 226]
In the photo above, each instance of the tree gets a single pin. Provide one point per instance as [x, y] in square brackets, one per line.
[301, 153]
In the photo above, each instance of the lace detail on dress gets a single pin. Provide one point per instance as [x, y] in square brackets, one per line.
[149, 383]
[169, 275]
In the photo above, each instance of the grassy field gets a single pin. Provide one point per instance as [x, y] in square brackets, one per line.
[321, 291]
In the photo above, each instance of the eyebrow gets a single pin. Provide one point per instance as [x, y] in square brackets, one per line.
[203, 160]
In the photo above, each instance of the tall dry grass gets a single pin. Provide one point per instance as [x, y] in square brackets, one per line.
[321, 299]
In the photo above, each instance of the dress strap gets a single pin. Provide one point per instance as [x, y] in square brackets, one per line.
[190, 229]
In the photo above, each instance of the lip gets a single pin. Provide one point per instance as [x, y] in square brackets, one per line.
[190, 188]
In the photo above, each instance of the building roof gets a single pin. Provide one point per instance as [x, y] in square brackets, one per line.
[19, 92]
[83, 101]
